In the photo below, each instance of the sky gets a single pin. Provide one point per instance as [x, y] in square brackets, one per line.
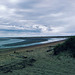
[24, 18]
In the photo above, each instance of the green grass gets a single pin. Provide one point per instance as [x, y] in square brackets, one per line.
[68, 45]
[46, 63]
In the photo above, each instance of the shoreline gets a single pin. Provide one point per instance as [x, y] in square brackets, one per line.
[37, 60]
[8, 51]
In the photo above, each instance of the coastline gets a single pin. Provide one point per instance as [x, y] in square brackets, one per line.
[34, 60]
[33, 47]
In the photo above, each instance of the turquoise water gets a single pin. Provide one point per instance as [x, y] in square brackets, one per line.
[23, 42]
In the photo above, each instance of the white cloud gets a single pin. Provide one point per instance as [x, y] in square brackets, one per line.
[59, 14]
[57, 29]
[3, 8]
[56, 14]
[43, 28]
[24, 10]
[14, 1]
[50, 17]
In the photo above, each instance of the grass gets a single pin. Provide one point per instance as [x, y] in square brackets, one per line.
[46, 63]
[68, 45]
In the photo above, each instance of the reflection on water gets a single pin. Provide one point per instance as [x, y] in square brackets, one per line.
[13, 43]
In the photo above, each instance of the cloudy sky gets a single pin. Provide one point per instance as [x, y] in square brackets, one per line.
[37, 17]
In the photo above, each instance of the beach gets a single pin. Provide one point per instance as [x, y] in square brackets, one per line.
[35, 60]
[7, 51]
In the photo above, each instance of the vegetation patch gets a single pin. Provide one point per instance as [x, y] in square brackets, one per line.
[17, 65]
[68, 45]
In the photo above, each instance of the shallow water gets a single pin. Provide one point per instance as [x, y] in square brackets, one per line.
[23, 42]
